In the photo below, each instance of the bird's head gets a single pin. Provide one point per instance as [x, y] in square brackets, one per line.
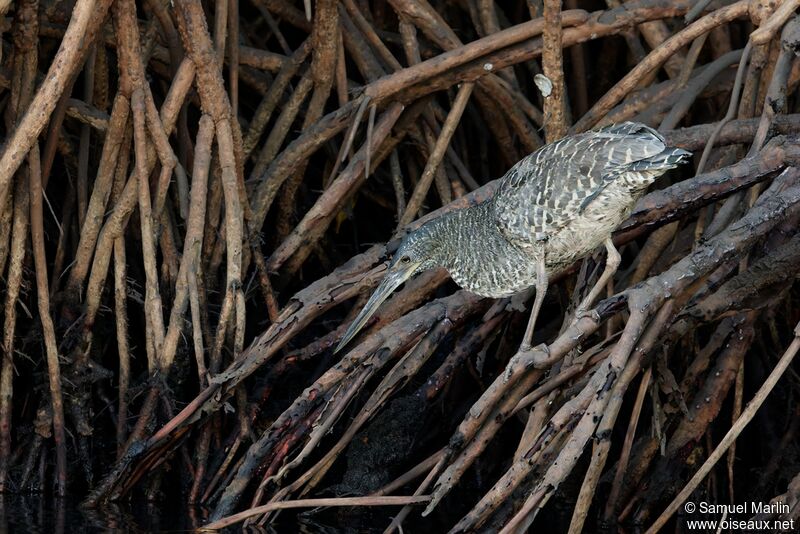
[419, 251]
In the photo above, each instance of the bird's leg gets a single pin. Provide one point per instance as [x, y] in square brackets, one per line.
[612, 263]
[541, 289]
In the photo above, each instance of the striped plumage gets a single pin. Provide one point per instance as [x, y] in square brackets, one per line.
[552, 208]
[566, 198]
[547, 190]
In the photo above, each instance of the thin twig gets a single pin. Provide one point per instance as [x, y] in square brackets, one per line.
[435, 159]
[314, 503]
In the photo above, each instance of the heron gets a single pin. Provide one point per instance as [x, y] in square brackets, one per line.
[554, 207]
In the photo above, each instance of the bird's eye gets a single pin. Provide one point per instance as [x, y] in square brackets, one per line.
[405, 259]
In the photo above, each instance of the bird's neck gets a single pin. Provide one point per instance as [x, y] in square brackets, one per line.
[477, 256]
[456, 232]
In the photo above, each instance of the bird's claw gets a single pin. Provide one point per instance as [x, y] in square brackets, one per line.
[540, 363]
[544, 349]
[591, 314]
[526, 350]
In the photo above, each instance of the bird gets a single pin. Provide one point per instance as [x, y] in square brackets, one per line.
[554, 207]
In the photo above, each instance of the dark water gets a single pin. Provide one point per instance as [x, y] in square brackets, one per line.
[40, 514]
[37, 514]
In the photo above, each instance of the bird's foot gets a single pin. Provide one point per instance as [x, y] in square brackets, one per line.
[527, 349]
[540, 357]
[535, 358]
[592, 314]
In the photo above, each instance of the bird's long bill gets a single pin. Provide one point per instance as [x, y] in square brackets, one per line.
[390, 282]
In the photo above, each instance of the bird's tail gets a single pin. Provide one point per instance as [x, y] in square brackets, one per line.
[669, 158]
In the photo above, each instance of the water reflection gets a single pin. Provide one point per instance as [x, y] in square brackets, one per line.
[43, 514]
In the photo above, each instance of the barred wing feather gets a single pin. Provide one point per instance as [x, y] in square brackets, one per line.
[546, 190]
